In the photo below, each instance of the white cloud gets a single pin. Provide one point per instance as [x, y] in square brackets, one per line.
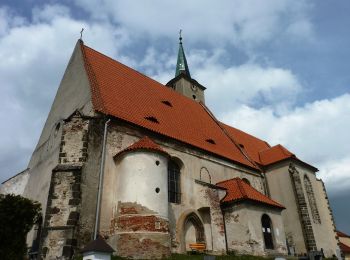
[301, 29]
[33, 57]
[247, 84]
[335, 173]
[317, 133]
[242, 22]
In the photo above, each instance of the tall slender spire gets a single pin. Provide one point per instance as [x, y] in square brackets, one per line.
[181, 66]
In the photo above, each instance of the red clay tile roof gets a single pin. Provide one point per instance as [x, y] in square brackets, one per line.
[341, 234]
[238, 190]
[124, 93]
[144, 143]
[344, 248]
[274, 154]
[249, 143]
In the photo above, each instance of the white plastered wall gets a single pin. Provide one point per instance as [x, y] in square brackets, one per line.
[244, 229]
[192, 163]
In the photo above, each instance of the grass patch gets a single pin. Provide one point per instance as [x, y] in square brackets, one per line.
[201, 257]
[221, 257]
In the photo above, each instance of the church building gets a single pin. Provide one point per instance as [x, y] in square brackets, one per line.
[149, 168]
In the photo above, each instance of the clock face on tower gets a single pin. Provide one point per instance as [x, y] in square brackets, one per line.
[194, 87]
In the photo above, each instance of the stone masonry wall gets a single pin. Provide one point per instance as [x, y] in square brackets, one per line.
[62, 213]
[59, 238]
[74, 141]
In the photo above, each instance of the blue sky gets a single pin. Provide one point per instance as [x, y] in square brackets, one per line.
[278, 69]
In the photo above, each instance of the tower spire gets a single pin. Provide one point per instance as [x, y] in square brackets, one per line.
[181, 66]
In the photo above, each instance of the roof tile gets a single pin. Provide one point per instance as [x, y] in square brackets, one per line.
[274, 154]
[144, 143]
[122, 92]
[238, 190]
[344, 248]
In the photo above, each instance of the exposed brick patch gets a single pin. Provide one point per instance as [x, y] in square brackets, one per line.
[133, 208]
[215, 210]
[142, 223]
[140, 233]
[141, 246]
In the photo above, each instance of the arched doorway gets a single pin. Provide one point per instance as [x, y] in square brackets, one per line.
[267, 231]
[193, 230]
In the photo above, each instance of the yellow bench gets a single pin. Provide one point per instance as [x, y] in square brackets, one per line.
[200, 247]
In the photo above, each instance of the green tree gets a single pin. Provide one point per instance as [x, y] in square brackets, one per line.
[17, 217]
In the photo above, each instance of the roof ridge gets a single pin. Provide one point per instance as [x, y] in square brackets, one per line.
[97, 99]
[230, 137]
[245, 133]
[241, 188]
[286, 151]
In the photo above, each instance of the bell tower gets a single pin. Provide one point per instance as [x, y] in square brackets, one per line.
[182, 82]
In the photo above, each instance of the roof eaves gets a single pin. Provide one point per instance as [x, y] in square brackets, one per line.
[144, 144]
[255, 169]
[249, 200]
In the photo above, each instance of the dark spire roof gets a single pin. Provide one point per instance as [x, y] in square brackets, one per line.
[98, 245]
[181, 66]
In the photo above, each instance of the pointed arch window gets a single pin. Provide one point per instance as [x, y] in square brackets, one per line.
[312, 201]
[267, 231]
[174, 191]
[198, 226]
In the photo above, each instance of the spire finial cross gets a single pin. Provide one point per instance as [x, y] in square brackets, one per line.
[81, 33]
[180, 38]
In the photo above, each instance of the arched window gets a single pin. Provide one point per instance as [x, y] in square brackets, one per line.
[193, 220]
[312, 200]
[246, 181]
[267, 231]
[174, 191]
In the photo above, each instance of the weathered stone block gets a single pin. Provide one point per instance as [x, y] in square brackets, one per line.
[74, 202]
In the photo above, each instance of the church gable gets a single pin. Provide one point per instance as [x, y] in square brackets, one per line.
[73, 92]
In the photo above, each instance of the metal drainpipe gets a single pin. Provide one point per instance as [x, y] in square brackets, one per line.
[100, 179]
